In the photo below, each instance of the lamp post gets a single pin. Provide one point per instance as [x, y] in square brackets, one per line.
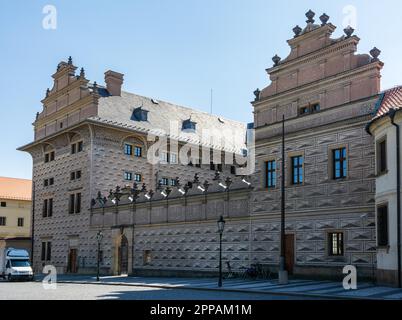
[283, 274]
[221, 227]
[99, 237]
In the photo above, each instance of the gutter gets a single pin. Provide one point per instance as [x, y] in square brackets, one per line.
[392, 114]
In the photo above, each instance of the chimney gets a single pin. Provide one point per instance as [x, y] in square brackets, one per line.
[113, 81]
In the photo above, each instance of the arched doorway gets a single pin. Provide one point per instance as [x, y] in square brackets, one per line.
[123, 256]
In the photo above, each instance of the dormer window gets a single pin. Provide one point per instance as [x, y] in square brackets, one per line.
[139, 114]
[189, 125]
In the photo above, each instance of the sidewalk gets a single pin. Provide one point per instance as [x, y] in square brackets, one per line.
[307, 288]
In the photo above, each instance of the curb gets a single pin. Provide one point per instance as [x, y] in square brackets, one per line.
[295, 294]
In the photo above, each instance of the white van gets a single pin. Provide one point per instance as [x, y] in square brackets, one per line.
[15, 265]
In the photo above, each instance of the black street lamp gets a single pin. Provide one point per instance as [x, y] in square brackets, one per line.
[221, 227]
[99, 237]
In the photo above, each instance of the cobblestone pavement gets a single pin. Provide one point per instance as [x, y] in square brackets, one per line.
[75, 291]
[304, 288]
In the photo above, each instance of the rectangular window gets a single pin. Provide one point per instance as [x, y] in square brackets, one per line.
[51, 181]
[128, 149]
[304, 111]
[46, 252]
[71, 204]
[232, 169]
[128, 176]
[138, 152]
[74, 203]
[78, 203]
[335, 244]
[339, 160]
[45, 208]
[173, 182]
[270, 169]
[73, 149]
[382, 157]
[164, 181]
[78, 175]
[164, 157]
[43, 252]
[3, 204]
[46, 182]
[297, 170]
[137, 177]
[49, 157]
[3, 221]
[382, 226]
[80, 146]
[173, 158]
[20, 222]
[50, 209]
[220, 167]
[72, 176]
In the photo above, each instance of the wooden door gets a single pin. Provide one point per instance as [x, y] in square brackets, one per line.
[72, 261]
[290, 253]
[123, 256]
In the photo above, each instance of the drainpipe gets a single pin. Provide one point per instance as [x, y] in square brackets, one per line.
[392, 114]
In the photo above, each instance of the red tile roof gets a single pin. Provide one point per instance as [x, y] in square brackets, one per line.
[390, 99]
[15, 189]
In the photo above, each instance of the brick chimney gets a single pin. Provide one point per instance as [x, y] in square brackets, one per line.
[113, 81]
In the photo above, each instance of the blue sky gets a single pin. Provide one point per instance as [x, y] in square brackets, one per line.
[174, 50]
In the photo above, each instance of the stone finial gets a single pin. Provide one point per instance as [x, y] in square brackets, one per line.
[95, 87]
[310, 16]
[324, 19]
[276, 59]
[70, 60]
[47, 92]
[297, 30]
[37, 115]
[82, 73]
[257, 94]
[348, 31]
[375, 53]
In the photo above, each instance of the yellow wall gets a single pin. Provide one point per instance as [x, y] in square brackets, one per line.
[15, 209]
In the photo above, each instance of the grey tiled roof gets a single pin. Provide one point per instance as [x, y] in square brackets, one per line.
[118, 111]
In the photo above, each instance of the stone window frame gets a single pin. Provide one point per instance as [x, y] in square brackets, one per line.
[289, 167]
[49, 156]
[380, 205]
[75, 203]
[337, 258]
[378, 141]
[136, 175]
[77, 147]
[264, 173]
[20, 222]
[330, 162]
